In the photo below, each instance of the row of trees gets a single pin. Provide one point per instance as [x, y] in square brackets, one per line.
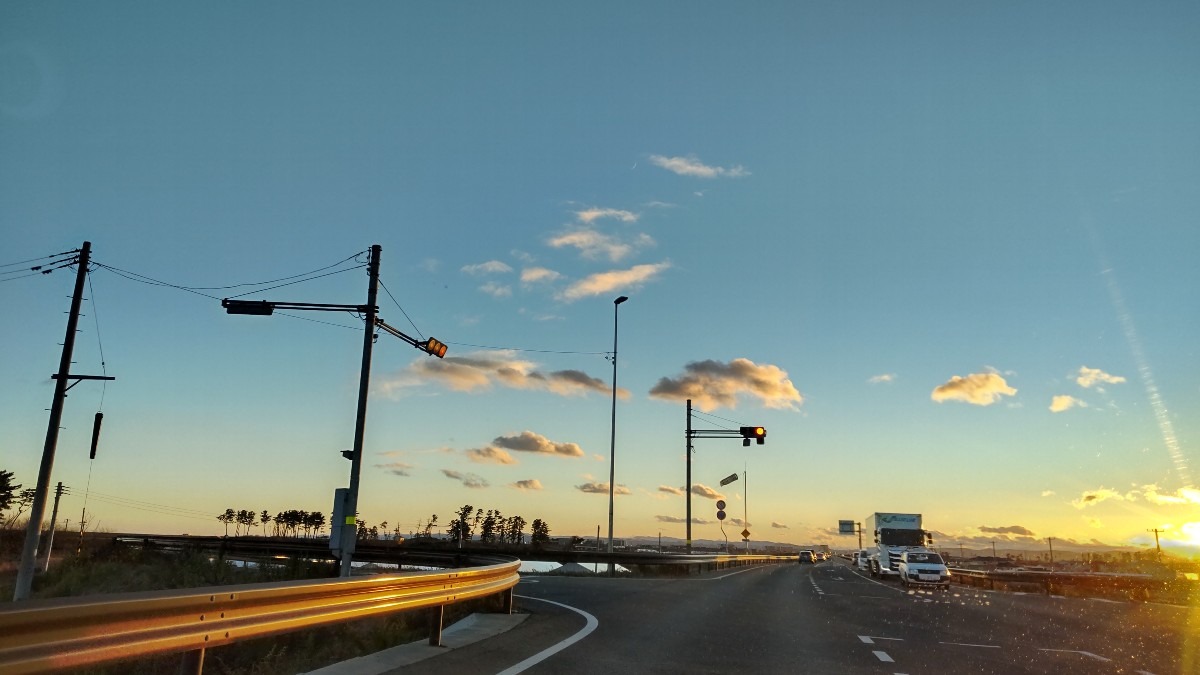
[493, 527]
[290, 523]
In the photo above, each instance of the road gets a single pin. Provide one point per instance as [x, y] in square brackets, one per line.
[823, 618]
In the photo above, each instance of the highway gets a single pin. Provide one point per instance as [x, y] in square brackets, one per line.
[823, 618]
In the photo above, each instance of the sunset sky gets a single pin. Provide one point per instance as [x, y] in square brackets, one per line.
[943, 252]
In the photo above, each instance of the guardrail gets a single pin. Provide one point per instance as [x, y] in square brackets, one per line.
[1130, 586]
[45, 635]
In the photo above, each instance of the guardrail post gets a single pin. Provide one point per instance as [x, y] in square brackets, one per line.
[192, 662]
[436, 616]
[506, 601]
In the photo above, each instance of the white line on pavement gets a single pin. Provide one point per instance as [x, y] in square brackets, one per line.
[552, 650]
[866, 639]
[966, 644]
[882, 656]
[1078, 651]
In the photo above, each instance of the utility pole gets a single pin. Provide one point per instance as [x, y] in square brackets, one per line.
[58, 493]
[37, 511]
[687, 487]
[1050, 540]
[1157, 547]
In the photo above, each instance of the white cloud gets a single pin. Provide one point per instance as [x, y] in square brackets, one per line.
[778, 526]
[592, 214]
[1089, 377]
[678, 492]
[489, 267]
[712, 384]
[676, 519]
[529, 484]
[496, 290]
[704, 491]
[691, 166]
[479, 371]
[602, 488]
[881, 379]
[1093, 497]
[976, 389]
[528, 441]
[396, 468]
[490, 455]
[467, 479]
[533, 275]
[1061, 403]
[612, 281]
[594, 245]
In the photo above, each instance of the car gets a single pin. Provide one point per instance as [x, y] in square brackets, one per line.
[807, 557]
[923, 568]
[862, 559]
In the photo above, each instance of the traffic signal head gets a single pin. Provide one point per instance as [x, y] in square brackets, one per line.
[435, 347]
[759, 434]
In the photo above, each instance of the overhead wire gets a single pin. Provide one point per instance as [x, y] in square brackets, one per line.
[55, 255]
[725, 419]
[40, 271]
[410, 321]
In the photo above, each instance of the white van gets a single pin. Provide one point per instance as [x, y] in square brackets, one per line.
[861, 559]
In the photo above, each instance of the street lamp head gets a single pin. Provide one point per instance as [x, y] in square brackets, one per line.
[620, 300]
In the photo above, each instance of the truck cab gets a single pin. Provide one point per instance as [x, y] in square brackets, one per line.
[922, 567]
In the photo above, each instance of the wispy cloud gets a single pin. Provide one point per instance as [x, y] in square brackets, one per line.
[1008, 529]
[497, 290]
[1093, 497]
[602, 488]
[490, 455]
[883, 379]
[778, 526]
[533, 275]
[480, 371]
[1062, 403]
[595, 213]
[976, 389]
[489, 267]
[528, 484]
[1090, 377]
[527, 441]
[712, 384]
[604, 283]
[396, 468]
[701, 490]
[671, 490]
[467, 479]
[692, 166]
[594, 245]
[1048, 493]
[675, 519]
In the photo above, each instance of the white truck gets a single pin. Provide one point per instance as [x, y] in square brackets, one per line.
[894, 534]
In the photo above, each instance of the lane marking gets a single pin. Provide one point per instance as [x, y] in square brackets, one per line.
[866, 639]
[882, 656]
[1079, 651]
[546, 653]
[967, 644]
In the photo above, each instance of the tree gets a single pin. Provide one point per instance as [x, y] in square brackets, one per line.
[264, 518]
[516, 527]
[315, 521]
[8, 491]
[245, 521]
[427, 532]
[487, 530]
[539, 533]
[228, 517]
[460, 528]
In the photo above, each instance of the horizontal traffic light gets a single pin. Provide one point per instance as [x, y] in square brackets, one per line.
[759, 434]
[433, 346]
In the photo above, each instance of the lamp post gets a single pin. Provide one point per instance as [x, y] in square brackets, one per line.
[612, 448]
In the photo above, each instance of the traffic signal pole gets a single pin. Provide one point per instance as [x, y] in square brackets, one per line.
[360, 423]
[756, 433]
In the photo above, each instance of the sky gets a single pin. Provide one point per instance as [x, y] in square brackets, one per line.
[944, 253]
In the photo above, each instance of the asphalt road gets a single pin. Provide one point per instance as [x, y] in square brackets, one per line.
[823, 618]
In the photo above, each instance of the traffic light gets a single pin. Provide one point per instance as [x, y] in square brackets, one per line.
[435, 347]
[759, 434]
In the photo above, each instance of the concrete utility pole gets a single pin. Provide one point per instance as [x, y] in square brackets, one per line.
[1050, 540]
[37, 511]
[58, 493]
[687, 487]
[1157, 547]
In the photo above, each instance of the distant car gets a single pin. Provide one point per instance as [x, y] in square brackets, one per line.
[862, 559]
[807, 557]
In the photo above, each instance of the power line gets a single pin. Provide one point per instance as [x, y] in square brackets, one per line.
[99, 343]
[56, 255]
[699, 412]
[41, 271]
[150, 506]
[299, 281]
[519, 349]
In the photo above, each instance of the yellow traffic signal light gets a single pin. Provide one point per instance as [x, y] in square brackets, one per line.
[435, 347]
[759, 434]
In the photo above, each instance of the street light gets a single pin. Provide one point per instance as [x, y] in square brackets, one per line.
[612, 449]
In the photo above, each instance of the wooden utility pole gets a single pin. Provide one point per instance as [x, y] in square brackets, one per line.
[1157, 547]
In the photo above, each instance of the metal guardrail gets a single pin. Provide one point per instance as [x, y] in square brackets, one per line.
[1133, 586]
[44, 635]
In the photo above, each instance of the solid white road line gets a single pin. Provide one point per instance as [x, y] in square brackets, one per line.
[966, 644]
[1078, 651]
[552, 650]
